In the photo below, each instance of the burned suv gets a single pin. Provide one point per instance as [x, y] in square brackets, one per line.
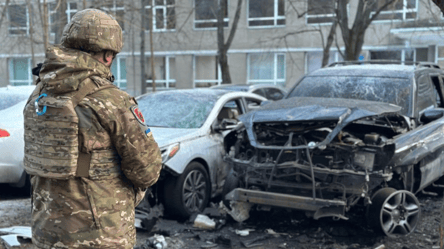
[352, 134]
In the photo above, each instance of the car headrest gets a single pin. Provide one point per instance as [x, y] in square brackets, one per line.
[225, 113]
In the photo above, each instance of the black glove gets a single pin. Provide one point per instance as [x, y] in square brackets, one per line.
[36, 70]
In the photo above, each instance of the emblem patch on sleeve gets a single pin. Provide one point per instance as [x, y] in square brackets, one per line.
[138, 114]
[148, 132]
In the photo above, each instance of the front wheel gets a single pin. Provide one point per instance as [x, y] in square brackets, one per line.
[394, 212]
[189, 193]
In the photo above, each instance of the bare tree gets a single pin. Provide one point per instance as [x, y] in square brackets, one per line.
[223, 46]
[3, 14]
[367, 11]
[440, 4]
[153, 71]
[59, 20]
[142, 47]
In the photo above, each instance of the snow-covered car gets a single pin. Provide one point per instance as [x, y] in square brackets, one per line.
[350, 135]
[189, 126]
[271, 92]
[12, 102]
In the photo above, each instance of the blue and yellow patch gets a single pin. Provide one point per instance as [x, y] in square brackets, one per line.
[148, 132]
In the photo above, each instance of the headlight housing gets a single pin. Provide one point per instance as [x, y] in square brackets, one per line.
[170, 152]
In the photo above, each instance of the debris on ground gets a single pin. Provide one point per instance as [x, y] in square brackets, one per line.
[16, 236]
[224, 240]
[204, 222]
[275, 234]
[240, 211]
[244, 232]
[159, 242]
[255, 241]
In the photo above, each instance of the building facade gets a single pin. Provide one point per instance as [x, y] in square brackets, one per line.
[276, 41]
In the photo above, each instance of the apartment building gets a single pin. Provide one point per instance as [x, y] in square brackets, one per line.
[276, 41]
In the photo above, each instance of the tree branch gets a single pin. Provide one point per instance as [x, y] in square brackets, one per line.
[374, 16]
[4, 12]
[235, 22]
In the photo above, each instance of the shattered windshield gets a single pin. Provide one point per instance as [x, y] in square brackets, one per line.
[178, 109]
[382, 89]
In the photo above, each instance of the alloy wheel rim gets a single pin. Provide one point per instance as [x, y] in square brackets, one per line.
[194, 189]
[399, 213]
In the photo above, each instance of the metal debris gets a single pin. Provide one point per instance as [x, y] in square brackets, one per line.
[12, 233]
[204, 222]
[239, 210]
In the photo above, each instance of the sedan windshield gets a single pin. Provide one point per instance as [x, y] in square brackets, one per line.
[382, 89]
[177, 109]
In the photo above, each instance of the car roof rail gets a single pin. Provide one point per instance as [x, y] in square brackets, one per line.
[427, 64]
[369, 62]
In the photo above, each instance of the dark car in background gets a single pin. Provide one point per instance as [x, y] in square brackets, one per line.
[271, 92]
[352, 134]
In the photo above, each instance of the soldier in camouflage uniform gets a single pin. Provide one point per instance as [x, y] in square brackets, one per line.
[90, 157]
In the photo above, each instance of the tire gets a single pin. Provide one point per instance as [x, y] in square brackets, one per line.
[231, 182]
[189, 193]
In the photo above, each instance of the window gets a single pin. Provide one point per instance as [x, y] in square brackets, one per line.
[165, 69]
[18, 17]
[164, 13]
[403, 55]
[71, 9]
[426, 93]
[266, 13]
[320, 11]
[52, 17]
[20, 71]
[399, 10]
[118, 68]
[206, 71]
[314, 60]
[117, 10]
[266, 68]
[206, 13]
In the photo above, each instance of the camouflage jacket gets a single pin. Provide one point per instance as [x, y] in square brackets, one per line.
[95, 211]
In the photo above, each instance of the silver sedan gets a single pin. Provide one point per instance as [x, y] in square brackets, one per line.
[189, 126]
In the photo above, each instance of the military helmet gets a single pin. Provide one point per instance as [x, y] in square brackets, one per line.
[92, 30]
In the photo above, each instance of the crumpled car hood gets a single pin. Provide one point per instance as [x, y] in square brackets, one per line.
[167, 136]
[306, 108]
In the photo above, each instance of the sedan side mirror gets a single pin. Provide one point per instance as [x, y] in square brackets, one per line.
[431, 115]
[225, 124]
[266, 102]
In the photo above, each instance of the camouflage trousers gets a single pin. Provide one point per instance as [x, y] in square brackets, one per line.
[82, 213]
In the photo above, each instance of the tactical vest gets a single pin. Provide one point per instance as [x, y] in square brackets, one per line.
[52, 148]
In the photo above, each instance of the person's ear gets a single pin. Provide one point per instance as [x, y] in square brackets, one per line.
[108, 56]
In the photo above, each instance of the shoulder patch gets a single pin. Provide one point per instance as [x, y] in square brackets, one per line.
[138, 114]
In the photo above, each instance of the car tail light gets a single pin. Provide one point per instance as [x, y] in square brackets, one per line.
[4, 133]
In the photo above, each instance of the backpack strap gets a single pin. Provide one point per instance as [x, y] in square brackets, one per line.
[84, 159]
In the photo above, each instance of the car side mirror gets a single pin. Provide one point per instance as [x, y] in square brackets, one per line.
[266, 102]
[431, 115]
[224, 124]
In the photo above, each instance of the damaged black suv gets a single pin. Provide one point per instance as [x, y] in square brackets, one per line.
[366, 134]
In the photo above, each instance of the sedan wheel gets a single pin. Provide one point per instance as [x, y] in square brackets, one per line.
[395, 212]
[189, 193]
